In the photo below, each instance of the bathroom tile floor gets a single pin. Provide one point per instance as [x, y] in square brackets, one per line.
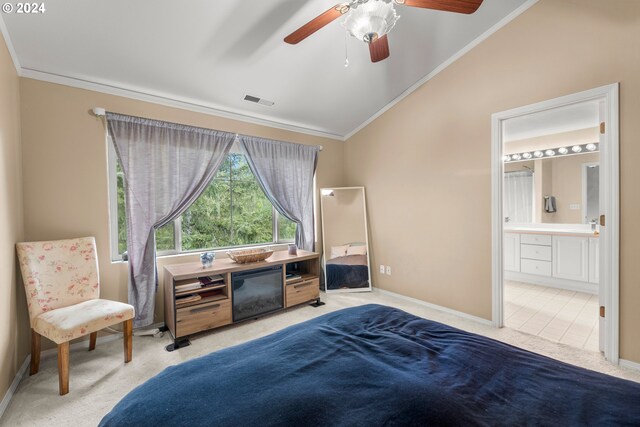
[558, 315]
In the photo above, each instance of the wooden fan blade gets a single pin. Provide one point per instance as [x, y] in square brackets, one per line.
[458, 6]
[379, 49]
[316, 23]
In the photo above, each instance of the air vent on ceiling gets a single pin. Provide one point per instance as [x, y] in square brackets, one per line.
[258, 100]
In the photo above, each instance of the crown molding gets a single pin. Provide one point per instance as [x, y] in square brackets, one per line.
[504, 21]
[171, 101]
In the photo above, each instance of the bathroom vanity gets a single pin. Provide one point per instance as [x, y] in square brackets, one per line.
[561, 257]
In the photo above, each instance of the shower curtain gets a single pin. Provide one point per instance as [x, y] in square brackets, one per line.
[518, 196]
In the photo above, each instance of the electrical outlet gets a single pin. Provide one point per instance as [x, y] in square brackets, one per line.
[389, 270]
[574, 206]
[381, 269]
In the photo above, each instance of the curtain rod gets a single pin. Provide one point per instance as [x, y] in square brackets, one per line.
[101, 112]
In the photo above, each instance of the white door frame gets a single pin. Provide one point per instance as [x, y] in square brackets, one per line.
[610, 234]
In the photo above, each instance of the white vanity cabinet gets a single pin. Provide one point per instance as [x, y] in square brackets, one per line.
[535, 254]
[511, 250]
[571, 258]
[558, 259]
[594, 260]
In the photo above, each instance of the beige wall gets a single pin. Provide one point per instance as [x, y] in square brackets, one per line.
[519, 166]
[566, 186]
[343, 218]
[14, 332]
[65, 167]
[426, 163]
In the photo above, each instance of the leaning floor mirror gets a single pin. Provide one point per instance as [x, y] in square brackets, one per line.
[345, 239]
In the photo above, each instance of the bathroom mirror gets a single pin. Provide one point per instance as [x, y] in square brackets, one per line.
[345, 239]
[551, 166]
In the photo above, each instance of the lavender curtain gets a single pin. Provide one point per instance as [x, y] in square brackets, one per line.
[166, 167]
[285, 172]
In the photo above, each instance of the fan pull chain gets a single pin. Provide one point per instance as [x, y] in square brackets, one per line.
[346, 53]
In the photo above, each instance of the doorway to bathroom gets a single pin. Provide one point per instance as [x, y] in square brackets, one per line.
[555, 225]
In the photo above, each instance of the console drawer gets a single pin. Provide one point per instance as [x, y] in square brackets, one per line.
[302, 292]
[541, 268]
[536, 239]
[196, 318]
[541, 253]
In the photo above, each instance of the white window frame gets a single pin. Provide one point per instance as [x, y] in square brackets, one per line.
[112, 160]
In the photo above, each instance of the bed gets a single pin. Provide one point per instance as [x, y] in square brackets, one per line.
[374, 365]
[349, 271]
[348, 267]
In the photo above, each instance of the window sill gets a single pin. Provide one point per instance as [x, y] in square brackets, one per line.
[220, 254]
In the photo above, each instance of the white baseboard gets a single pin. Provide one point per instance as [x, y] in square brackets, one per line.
[629, 364]
[14, 385]
[436, 307]
[552, 282]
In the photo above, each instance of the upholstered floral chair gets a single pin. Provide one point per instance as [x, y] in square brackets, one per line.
[63, 294]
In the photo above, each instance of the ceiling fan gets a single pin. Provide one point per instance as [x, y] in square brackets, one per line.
[371, 20]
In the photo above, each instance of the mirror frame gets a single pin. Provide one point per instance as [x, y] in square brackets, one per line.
[366, 241]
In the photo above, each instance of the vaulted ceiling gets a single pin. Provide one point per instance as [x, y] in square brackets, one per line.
[210, 54]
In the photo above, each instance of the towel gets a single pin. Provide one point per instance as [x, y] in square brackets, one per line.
[549, 204]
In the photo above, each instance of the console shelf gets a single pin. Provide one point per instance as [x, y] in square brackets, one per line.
[201, 312]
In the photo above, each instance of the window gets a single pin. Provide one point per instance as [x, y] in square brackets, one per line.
[232, 212]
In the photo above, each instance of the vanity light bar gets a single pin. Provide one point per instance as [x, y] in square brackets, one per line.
[552, 152]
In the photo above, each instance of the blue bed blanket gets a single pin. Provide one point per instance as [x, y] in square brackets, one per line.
[372, 366]
[347, 276]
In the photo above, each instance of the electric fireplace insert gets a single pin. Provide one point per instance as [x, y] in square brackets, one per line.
[257, 292]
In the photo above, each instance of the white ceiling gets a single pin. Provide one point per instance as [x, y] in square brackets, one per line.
[563, 119]
[211, 53]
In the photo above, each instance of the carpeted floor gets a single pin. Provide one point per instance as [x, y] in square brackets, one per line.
[98, 380]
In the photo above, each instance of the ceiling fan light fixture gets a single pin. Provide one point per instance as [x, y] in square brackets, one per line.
[370, 20]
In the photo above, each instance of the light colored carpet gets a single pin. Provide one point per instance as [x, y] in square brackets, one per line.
[98, 380]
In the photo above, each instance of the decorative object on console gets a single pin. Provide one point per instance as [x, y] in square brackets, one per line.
[293, 249]
[206, 258]
[250, 255]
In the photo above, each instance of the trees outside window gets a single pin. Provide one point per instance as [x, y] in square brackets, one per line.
[233, 211]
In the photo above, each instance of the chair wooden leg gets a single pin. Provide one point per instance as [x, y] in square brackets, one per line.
[63, 367]
[128, 333]
[35, 353]
[92, 340]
